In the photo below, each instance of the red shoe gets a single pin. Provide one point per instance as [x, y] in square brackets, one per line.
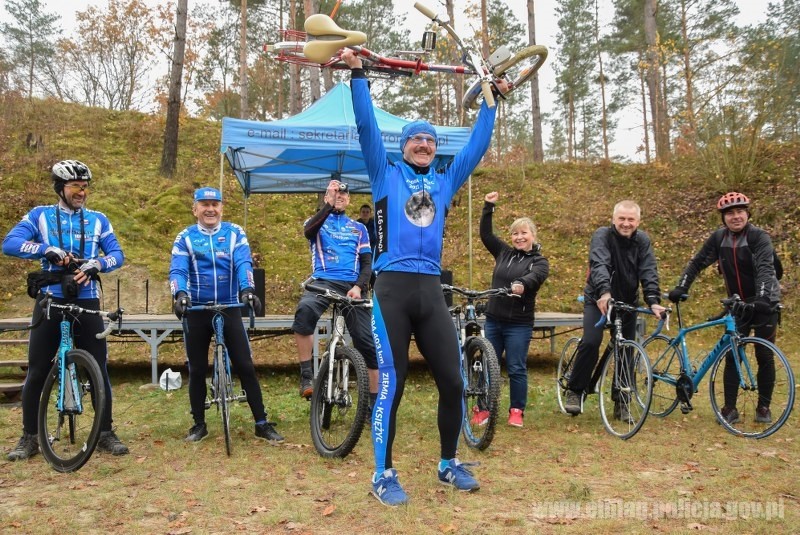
[515, 417]
[479, 417]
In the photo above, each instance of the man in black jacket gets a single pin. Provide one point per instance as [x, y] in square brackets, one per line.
[746, 260]
[620, 257]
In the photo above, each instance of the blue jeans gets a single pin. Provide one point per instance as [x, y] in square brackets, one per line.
[514, 339]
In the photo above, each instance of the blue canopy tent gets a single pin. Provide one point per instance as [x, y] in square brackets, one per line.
[302, 153]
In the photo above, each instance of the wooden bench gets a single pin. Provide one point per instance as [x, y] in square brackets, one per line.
[11, 392]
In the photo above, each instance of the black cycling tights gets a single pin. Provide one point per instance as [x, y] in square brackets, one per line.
[197, 342]
[406, 304]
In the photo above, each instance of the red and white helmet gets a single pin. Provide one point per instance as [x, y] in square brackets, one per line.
[732, 200]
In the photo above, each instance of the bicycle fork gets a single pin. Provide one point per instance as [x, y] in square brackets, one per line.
[69, 398]
[337, 336]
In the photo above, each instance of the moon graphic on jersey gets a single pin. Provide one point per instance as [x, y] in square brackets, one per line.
[420, 209]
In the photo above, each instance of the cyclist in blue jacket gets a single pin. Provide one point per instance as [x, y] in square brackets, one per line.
[410, 199]
[342, 262]
[56, 235]
[211, 263]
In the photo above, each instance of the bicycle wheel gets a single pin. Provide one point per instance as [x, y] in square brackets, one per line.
[481, 392]
[223, 390]
[666, 371]
[565, 364]
[68, 438]
[516, 72]
[337, 420]
[755, 392]
[626, 390]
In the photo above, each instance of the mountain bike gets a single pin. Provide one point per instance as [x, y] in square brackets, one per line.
[73, 398]
[222, 389]
[328, 39]
[677, 379]
[480, 368]
[623, 376]
[340, 400]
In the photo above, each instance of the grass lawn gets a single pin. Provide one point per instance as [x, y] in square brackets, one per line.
[557, 474]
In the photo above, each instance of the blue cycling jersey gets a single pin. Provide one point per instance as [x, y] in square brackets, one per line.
[410, 207]
[336, 248]
[39, 229]
[212, 266]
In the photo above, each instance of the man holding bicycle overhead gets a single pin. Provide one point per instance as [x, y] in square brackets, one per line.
[620, 259]
[58, 235]
[410, 199]
[211, 263]
[747, 261]
[342, 261]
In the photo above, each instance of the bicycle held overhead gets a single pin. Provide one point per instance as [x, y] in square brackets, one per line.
[498, 74]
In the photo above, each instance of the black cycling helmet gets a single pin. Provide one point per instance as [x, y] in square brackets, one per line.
[732, 200]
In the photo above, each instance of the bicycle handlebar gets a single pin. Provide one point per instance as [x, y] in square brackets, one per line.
[116, 316]
[479, 294]
[606, 318]
[335, 296]
[219, 307]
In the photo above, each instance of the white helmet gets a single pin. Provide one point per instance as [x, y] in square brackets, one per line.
[71, 170]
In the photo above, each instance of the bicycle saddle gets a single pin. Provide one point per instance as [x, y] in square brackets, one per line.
[328, 38]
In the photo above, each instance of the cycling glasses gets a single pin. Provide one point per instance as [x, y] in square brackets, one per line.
[79, 187]
[421, 140]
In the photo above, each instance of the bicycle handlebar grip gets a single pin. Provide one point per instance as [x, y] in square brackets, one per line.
[425, 10]
[601, 322]
[105, 333]
[488, 96]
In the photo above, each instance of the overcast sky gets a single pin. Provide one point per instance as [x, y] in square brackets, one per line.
[628, 135]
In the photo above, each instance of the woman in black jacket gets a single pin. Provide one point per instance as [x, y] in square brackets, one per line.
[509, 320]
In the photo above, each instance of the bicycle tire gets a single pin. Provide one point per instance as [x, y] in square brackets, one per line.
[635, 394]
[782, 398]
[666, 371]
[513, 71]
[67, 453]
[481, 391]
[336, 423]
[223, 391]
[564, 370]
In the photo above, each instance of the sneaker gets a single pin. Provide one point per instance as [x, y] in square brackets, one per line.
[479, 417]
[388, 490]
[573, 403]
[621, 413]
[197, 433]
[110, 443]
[731, 415]
[457, 474]
[268, 433]
[306, 387]
[28, 446]
[515, 417]
[763, 415]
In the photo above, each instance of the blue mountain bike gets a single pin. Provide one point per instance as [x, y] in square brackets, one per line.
[222, 394]
[74, 394]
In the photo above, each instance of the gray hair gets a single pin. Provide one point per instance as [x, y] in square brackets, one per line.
[628, 205]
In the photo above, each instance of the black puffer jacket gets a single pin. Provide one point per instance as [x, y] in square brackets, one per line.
[618, 265]
[529, 268]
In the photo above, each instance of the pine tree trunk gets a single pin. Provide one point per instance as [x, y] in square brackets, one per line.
[169, 154]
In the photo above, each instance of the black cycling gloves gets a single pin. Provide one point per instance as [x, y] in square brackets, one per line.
[248, 297]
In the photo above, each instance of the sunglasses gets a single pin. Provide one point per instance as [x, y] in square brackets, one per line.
[79, 187]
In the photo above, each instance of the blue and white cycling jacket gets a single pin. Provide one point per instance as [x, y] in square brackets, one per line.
[211, 265]
[38, 230]
[336, 248]
[410, 207]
